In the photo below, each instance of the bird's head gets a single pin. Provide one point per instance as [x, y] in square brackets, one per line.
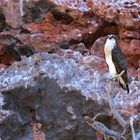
[111, 39]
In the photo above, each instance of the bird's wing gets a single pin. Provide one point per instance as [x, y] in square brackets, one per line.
[120, 62]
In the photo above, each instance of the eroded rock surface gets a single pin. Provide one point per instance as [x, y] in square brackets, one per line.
[124, 13]
[30, 26]
[126, 16]
[57, 90]
[59, 84]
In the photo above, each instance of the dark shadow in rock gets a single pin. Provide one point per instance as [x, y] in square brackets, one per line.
[13, 53]
[2, 21]
[51, 108]
[11, 129]
[13, 49]
[24, 31]
[105, 29]
[25, 50]
[35, 11]
[64, 17]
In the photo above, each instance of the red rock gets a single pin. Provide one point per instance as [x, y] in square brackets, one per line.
[135, 46]
[111, 29]
[11, 10]
[52, 31]
[47, 34]
[131, 48]
[7, 59]
[117, 12]
[33, 27]
[134, 34]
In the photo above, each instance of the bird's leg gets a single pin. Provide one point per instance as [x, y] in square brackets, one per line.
[117, 76]
[121, 73]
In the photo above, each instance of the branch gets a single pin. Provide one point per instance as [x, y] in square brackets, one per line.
[132, 128]
[102, 128]
[128, 132]
[136, 117]
[132, 119]
[118, 117]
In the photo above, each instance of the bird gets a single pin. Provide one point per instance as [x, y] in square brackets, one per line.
[116, 61]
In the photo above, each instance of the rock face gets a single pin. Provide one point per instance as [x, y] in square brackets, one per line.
[121, 12]
[56, 89]
[44, 25]
[59, 106]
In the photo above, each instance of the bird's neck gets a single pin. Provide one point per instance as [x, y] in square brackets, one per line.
[110, 44]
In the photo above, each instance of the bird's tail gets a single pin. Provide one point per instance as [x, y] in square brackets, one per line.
[125, 86]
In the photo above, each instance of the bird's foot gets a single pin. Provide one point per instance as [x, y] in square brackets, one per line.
[114, 77]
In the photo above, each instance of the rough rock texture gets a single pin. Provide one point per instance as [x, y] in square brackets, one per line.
[126, 15]
[57, 90]
[59, 84]
[122, 12]
[45, 26]
[27, 26]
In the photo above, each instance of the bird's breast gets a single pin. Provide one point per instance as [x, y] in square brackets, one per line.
[109, 61]
[111, 66]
